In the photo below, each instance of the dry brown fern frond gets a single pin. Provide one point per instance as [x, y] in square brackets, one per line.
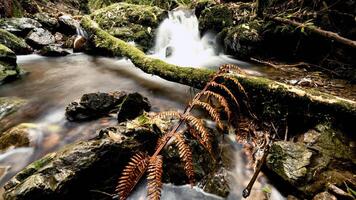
[154, 178]
[166, 114]
[131, 174]
[186, 156]
[227, 91]
[214, 114]
[198, 125]
[221, 100]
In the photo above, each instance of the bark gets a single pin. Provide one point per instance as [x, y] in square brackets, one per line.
[319, 31]
[263, 92]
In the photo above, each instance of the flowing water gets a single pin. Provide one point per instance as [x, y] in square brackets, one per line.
[52, 83]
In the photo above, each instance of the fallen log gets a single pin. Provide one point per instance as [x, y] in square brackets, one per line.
[270, 99]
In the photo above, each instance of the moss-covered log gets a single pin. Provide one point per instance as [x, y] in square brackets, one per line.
[269, 98]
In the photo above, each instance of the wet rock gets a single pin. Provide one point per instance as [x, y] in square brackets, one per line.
[132, 106]
[289, 160]
[8, 67]
[94, 105]
[9, 105]
[18, 45]
[53, 51]
[79, 43]
[97, 163]
[68, 25]
[22, 135]
[131, 22]
[19, 26]
[47, 21]
[217, 184]
[59, 37]
[321, 156]
[40, 37]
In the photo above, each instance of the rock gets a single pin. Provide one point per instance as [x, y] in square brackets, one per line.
[9, 105]
[244, 40]
[97, 163]
[289, 160]
[53, 51]
[321, 156]
[68, 25]
[201, 5]
[164, 4]
[131, 22]
[8, 67]
[79, 43]
[19, 26]
[18, 45]
[59, 37]
[324, 196]
[18, 136]
[94, 105]
[217, 184]
[39, 38]
[47, 22]
[132, 106]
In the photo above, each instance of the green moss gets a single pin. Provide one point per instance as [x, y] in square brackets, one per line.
[16, 44]
[130, 22]
[216, 18]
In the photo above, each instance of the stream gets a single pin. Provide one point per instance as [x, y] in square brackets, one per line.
[52, 83]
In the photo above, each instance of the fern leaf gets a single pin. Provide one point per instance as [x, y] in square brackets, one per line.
[221, 100]
[154, 178]
[131, 174]
[166, 114]
[214, 114]
[201, 131]
[227, 91]
[185, 155]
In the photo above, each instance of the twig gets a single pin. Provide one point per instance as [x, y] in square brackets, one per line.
[104, 193]
[333, 188]
[246, 192]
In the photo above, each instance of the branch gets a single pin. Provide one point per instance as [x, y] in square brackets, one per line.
[319, 31]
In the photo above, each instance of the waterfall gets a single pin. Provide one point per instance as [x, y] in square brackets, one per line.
[178, 41]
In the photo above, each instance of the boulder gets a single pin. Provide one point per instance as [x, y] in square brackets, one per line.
[289, 160]
[19, 26]
[68, 25]
[244, 40]
[53, 51]
[321, 156]
[18, 45]
[133, 105]
[131, 22]
[94, 105]
[47, 21]
[97, 163]
[8, 67]
[39, 38]
[18, 136]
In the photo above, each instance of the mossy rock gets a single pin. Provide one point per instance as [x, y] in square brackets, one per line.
[131, 22]
[8, 67]
[321, 156]
[221, 16]
[244, 40]
[97, 163]
[16, 44]
[164, 4]
[18, 136]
